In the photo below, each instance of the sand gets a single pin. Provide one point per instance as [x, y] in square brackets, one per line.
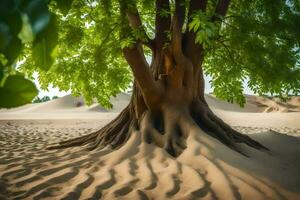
[205, 170]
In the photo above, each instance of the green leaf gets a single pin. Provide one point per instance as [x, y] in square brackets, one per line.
[128, 42]
[38, 15]
[201, 37]
[26, 34]
[5, 36]
[13, 50]
[194, 25]
[8, 6]
[16, 91]
[1, 73]
[44, 45]
[64, 5]
[14, 21]
[74, 35]
[10, 44]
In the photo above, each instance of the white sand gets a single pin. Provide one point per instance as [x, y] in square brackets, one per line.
[205, 170]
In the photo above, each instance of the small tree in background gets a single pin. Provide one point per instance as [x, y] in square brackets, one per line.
[40, 100]
[37, 100]
[45, 98]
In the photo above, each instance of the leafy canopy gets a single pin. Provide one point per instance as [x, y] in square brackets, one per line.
[81, 48]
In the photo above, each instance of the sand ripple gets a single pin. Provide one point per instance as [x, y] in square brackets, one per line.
[205, 170]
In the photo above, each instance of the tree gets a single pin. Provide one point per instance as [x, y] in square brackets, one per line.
[230, 40]
[20, 22]
[37, 100]
[43, 99]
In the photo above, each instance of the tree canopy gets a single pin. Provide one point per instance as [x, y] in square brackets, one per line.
[77, 44]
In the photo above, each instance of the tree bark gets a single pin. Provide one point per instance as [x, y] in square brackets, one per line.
[166, 123]
[168, 96]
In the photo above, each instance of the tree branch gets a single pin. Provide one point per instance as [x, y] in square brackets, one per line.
[221, 9]
[193, 50]
[135, 57]
[177, 23]
[162, 22]
[136, 22]
[140, 68]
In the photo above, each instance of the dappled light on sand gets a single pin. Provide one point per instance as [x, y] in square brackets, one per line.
[205, 170]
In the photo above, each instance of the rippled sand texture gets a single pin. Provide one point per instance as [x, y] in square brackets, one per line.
[205, 170]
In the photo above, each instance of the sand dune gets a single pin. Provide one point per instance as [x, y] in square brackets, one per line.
[256, 104]
[72, 104]
[274, 104]
[69, 103]
[205, 170]
[69, 107]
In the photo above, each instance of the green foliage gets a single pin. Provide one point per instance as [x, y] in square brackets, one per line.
[205, 29]
[37, 100]
[16, 91]
[89, 58]
[23, 23]
[43, 48]
[29, 24]
[64, 5]
[36, 12]
[43, 99]
[257, 41]
[20, 22]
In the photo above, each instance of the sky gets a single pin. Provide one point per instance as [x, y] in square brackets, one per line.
[53, 91]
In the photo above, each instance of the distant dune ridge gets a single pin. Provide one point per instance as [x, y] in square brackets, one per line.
[69, 103]
[205, 170]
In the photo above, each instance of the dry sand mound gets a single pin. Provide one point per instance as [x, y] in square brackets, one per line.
[256, 104]
[119, 103]
[215, 103]
[274, 104]
[205, 170]
[69, 103]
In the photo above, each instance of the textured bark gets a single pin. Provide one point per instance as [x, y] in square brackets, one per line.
[166, 122]
[168, 96]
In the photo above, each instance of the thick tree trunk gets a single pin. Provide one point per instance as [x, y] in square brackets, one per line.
[168, 96]
[179, 107]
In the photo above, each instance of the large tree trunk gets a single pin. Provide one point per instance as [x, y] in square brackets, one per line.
[180, 107]
[168, 96]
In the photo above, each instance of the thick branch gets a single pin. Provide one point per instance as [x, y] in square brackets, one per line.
[135, 57]
[141, 71]
[192, 50]
[221, 9]
[136, 22]
[177, 23]
[162, 22]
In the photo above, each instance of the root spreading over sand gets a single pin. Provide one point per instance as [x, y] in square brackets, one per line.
[206, 169]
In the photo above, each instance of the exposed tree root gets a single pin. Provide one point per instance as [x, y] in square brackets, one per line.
[217, 128]
[167, 130]
[168, 95]
[114, 133]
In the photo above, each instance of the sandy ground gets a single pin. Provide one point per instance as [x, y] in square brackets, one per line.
[205, 170]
